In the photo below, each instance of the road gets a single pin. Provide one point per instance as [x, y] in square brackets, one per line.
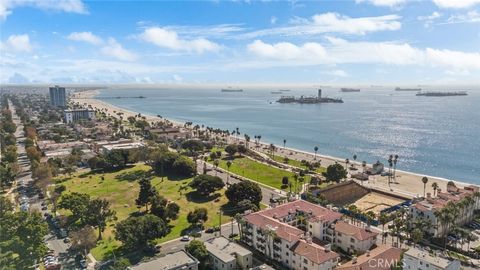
[25, 190]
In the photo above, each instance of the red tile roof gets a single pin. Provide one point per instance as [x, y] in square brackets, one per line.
[380, 258]
[354, 231]
[313, 252]
[318, 212]
[283, 230]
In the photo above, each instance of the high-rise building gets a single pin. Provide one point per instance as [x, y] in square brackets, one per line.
[57, 96]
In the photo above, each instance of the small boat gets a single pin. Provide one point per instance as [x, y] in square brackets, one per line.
[442, 94]
[230, 89]
[408, 89]
[347, 90]
[276, 92]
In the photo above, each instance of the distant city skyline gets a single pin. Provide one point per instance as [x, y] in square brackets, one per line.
[240, 42]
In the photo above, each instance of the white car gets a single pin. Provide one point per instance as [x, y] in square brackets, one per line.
[185, 238]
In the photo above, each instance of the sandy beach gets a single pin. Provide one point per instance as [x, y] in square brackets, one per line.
[407, 183]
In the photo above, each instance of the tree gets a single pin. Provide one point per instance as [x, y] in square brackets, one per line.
[206, 184]
[285, 181]
[241, 149]
[159, 206]
[316, 150]
[435, 188]
[231, 149]
[184, 166]
[136, 232]
[197, 249]
[83, 239]
[146, 193]
[245, 190]
[77, 203]
[284, 143]
[171, 212]
[192, 146]
[335, 172]
[21, 238]
[424, 181]
[197, 216]
[99, 213]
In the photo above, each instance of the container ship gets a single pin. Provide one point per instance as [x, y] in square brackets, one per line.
[309, 100]
[442, 94]
[230, 89]
[408, 89]
[349, 90]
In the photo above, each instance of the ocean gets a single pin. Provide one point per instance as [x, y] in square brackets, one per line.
[437, 136]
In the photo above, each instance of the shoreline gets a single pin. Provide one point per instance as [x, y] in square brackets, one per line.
[407, 182]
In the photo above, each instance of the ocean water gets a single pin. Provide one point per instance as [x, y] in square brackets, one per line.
[438, 136]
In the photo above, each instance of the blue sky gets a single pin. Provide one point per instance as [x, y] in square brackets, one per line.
[235, 42]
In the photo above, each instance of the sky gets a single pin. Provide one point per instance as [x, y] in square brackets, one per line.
[235, 42]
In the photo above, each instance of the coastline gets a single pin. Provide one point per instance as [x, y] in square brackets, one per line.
[407, 182]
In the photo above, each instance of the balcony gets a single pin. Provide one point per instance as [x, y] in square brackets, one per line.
[261, 240]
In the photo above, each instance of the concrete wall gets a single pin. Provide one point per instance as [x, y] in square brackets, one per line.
[344, 193]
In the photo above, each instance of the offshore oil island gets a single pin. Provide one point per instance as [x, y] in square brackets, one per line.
[309, 100]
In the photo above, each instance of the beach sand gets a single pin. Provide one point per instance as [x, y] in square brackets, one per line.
[407, 183]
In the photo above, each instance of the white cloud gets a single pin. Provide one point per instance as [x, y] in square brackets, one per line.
[115, 50]
[286, 50]
[71, 6]
[86, 37]
[17, 43]
[383, 3]
[456, 4]
[273, 20]
[470, 17]
[331, 23]
[429, 19]
[169, 39]
[336, 73]
[340, 51]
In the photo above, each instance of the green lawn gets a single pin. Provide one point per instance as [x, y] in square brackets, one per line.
[296, 163]
[121, 190]
[268, 175]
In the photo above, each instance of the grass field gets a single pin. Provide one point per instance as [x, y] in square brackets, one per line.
[121, 190]
[259, 172]
[296, 163]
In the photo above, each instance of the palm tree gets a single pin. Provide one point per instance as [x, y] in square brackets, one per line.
[354, 157]
[395, 160]
[425, 181]
[390, 164]
[216, 163]
[364, 164]
[315, 149]
[435, 187]
[383, 219]
[240, 224]
[247, 140]
[295, 177]
[284, 143]
[347, 161]
[229, 163]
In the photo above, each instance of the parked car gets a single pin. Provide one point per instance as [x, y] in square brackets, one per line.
[66, 240]
[185, 238]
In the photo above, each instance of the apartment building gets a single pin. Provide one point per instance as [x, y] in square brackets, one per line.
[227, 255]
[426, 208]
[351, 238]
[416, 259]
[383, 257]
[292, 235]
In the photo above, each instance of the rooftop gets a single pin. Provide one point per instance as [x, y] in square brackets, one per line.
[283, 230]
[313, 252]
[354, 231]
[317, 211]
[176, 260]
[225, 250]
[386, 254]
[426, 257]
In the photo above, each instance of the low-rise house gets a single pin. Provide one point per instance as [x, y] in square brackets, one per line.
[106, 146]
[225, 254]
[353, 239]
[416, 259]
[49, 145]
[429, 207]
[170, 133]
[383, 257]
[173, 261]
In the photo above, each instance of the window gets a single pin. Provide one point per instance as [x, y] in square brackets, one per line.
[352, 240]
[286, 253]
[339, 234]
[286, 245]
[305, 261]
[311, 226]
[305, 268]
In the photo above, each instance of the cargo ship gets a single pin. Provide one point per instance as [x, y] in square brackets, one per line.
[442, 94]
[408, 89]
[349, 90]
[276, 92]
[230, 89]
[309, 100]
